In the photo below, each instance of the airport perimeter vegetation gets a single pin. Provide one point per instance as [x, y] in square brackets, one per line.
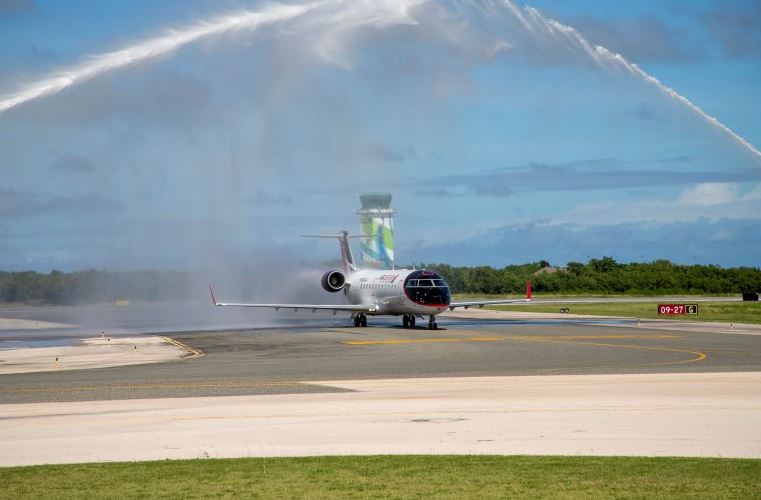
[394, 477]
[597, 277]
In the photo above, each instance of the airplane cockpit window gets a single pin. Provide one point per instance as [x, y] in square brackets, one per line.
[427, 288]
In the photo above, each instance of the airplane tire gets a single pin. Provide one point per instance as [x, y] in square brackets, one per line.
[412, 321]
[405, 321]
[363, 321]
[356, 321]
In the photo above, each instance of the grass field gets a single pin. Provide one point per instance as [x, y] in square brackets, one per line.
[730, 312]
[394, 477]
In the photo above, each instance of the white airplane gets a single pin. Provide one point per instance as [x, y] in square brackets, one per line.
[407, 293]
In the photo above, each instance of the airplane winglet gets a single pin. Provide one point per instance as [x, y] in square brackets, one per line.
[528, 290]
[213, 298]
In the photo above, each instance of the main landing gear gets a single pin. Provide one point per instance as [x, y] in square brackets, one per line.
[408, 321]
[360, 320]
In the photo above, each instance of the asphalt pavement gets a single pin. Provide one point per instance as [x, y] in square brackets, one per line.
[281, 360]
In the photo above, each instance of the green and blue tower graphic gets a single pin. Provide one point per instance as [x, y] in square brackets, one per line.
[376, 224]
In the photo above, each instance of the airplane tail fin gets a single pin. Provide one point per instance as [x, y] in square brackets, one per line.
[347, 257]
[528, 290]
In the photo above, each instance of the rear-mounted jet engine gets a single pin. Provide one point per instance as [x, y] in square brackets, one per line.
[333, 281]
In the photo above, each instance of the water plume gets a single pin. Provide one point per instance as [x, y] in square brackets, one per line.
[337, 15]
[605, 58]
[150, 49]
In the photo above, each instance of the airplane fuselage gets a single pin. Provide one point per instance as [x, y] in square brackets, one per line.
[399, 292]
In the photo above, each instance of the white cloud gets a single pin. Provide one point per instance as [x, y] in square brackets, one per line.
[710, 193]
[711, 201]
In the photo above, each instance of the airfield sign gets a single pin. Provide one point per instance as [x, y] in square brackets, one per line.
[677, 309]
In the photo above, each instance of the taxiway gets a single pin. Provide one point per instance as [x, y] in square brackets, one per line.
[284, 360]
[490, 384]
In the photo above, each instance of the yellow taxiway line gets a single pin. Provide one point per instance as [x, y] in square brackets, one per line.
[504, 337]
[571, 339]
[194, 353]
[249, 385]
[599, 337]
[698, 356]
[422, 341]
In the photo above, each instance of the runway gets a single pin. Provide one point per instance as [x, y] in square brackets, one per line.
[284, 360]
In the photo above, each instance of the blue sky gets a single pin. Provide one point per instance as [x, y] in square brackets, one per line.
[501, 143]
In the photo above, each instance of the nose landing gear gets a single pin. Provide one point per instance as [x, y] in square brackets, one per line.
[432, 325]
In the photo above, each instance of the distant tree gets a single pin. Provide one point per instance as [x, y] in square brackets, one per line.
[604, 265]
[603, 275]
[575, 268]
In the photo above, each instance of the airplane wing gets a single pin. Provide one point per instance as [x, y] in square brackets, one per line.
[598, 300]
[313, 307]
[482, 303]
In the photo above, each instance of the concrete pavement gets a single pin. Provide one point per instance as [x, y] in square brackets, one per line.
[677, 414]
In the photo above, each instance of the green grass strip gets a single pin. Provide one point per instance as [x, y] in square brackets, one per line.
[730, 312]
[393, 477]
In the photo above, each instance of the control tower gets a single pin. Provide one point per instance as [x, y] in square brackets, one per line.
[376, 223]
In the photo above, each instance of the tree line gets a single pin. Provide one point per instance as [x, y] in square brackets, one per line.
[92, 286]
[602, 276]
[598, 276]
